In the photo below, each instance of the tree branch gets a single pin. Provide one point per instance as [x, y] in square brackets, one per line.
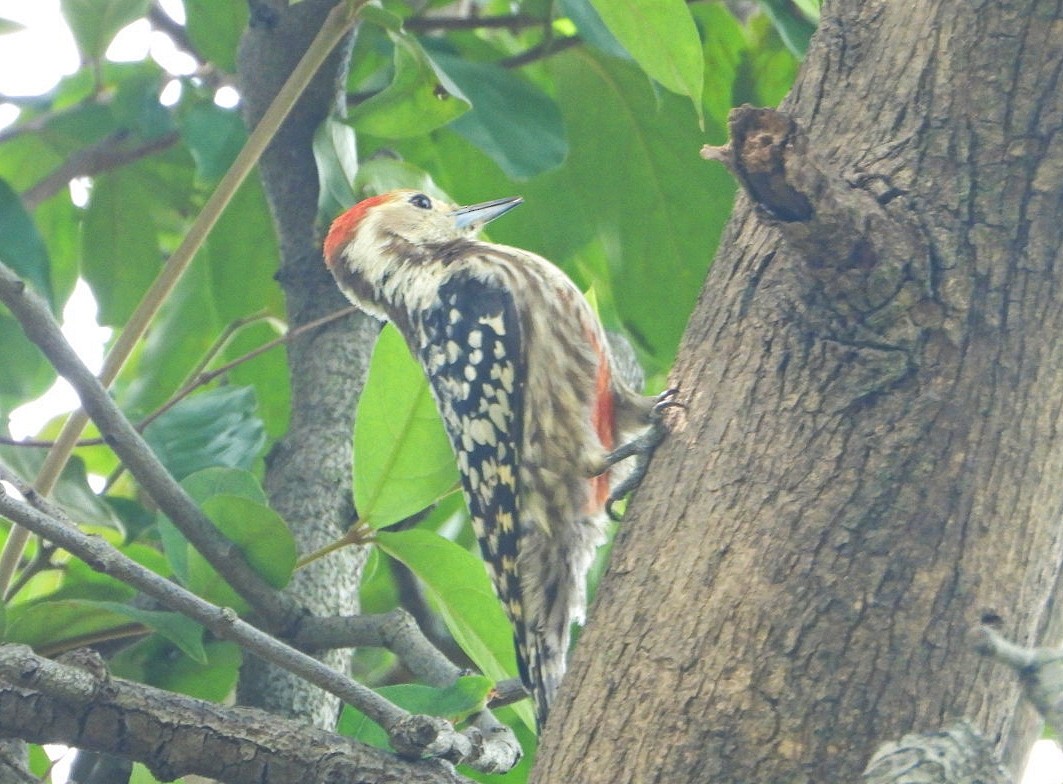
[506, 22]
[37, 321]
[411, 736]
[49, 702]
[111, 152]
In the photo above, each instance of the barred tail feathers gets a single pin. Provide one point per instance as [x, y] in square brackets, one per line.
[553, 569]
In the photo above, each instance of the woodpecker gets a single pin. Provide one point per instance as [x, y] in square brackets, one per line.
[533, 401]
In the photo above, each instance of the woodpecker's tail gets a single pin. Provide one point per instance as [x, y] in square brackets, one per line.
[545, 668]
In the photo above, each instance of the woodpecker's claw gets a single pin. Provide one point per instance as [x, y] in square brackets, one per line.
[641, 448]
[666, 400]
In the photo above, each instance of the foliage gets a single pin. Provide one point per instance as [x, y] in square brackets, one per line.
[595, 122]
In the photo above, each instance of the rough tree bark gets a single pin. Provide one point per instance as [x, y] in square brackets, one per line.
[870, 459]
[308, 474]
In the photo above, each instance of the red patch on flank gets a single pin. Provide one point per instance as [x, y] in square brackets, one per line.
[603, 421]
[345, 225]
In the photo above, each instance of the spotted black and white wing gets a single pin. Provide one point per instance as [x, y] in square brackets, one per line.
[472, 353]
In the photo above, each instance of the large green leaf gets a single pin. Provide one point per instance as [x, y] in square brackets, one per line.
[513, 121]
[659, 215]
[454, 702]
[462, 591]
[215, 428]
[203, 485]
[215, 29]
[402, 458]
[183, 632]
[420, 97]
[591, 28]
[95, 22]
[120, 254]
[381, 175]
[214, 136]
[223, 481]
[662, 38]
[45, 623]
[21, 246]
[262, 536]
[157, 662]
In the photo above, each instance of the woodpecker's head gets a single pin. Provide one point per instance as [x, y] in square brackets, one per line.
[407, 215]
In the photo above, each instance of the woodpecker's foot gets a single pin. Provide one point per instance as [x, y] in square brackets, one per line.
[641, 448]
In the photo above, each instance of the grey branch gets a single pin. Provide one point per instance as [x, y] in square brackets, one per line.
[410, 735]
[39, 325]
[1040, 671]
[46, 702]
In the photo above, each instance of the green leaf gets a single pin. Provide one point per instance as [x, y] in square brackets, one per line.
[259, 532]
[513, 121]
[95, 22]
[34, 375]
[214, 428]
[420, 97]
[45, 624]
[136, 104]
[661, 36]
[21, 247]
[202, 485]
[458, 583]
[724, 48]
[120, 247]
[770, 66]
[215, 29]
[242, 259]
[402, 458]
[381, 175]
[336, 155]
[455, 702]
[659, 215]
[158, 663]
[794, 26]
[591, 28]
[223, 481]
[72, 490]
[183, 632]
[214, 136]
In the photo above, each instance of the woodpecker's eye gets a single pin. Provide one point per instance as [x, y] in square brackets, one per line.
[421, 201]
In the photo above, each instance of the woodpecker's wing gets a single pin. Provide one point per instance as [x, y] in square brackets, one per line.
[473, 355]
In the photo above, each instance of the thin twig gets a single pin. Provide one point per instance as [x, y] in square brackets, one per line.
[540, 52]
[196, 381]
[506, 22]
[111, 152]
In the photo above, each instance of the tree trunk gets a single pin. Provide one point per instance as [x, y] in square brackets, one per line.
[308, 474]
[869, 462]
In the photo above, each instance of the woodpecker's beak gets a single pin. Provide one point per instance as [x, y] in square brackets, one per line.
[476, 215]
